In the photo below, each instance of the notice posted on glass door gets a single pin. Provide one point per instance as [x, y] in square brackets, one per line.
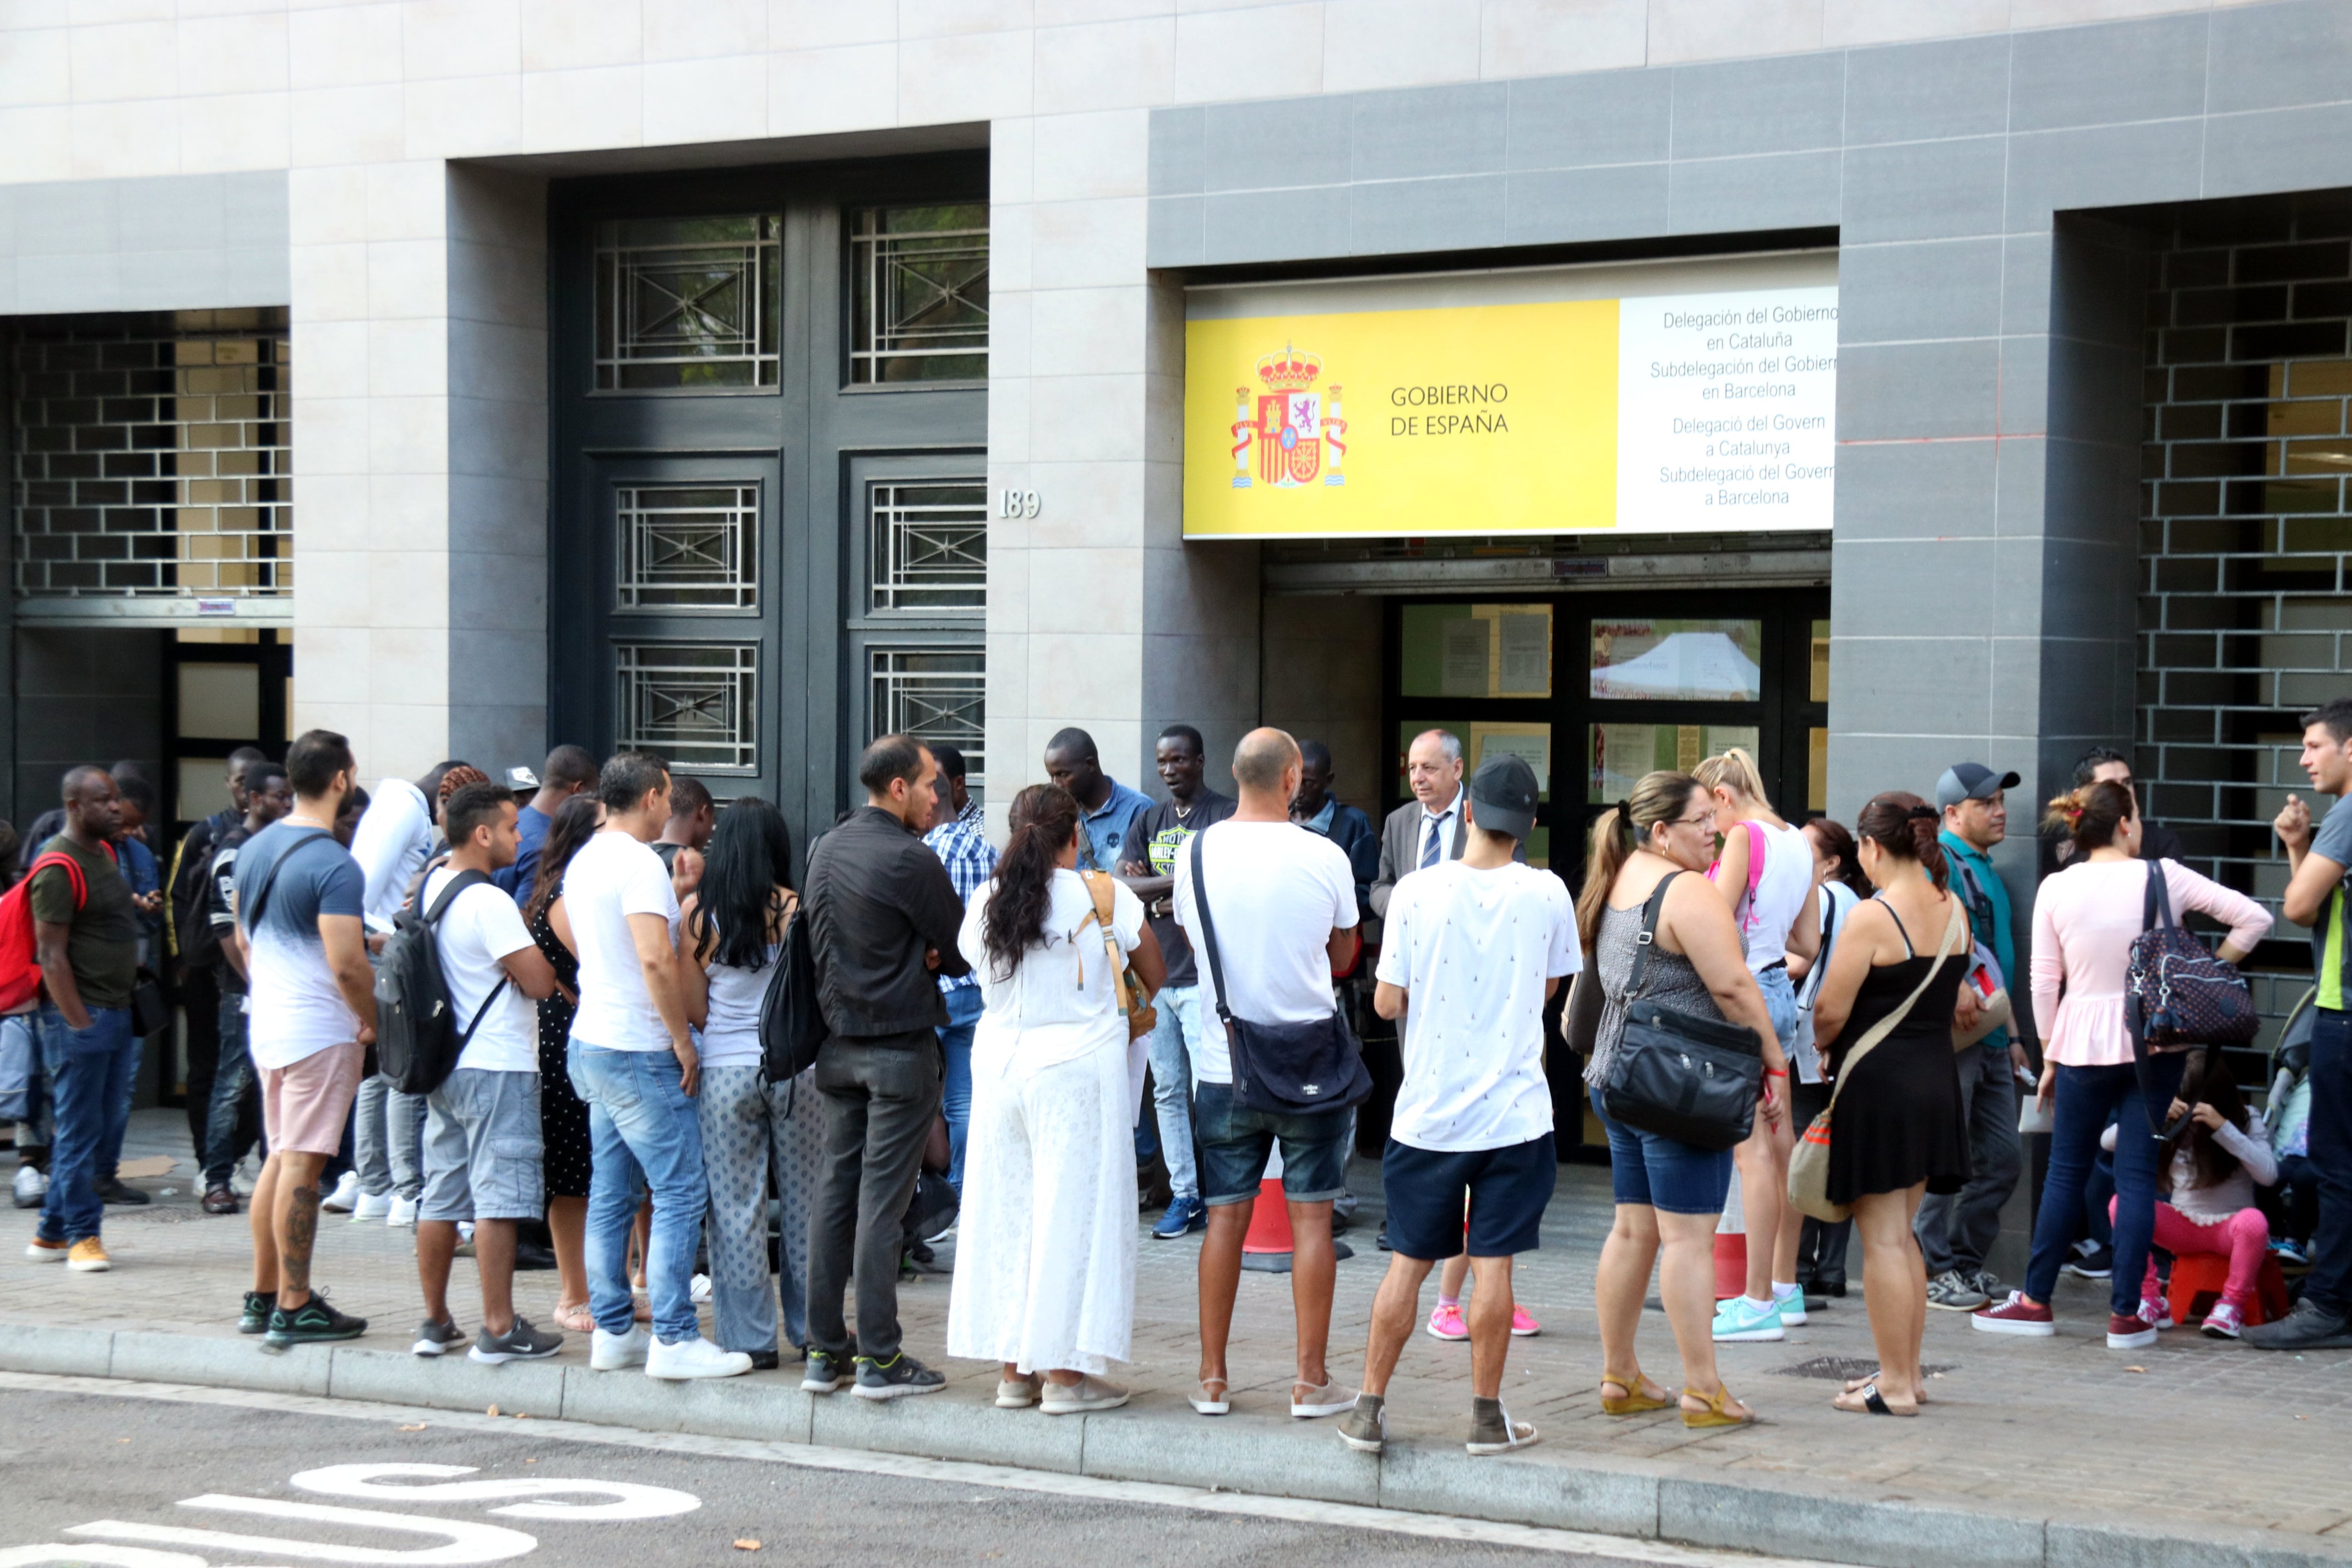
[1727, 410]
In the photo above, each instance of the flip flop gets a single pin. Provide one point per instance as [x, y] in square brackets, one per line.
[1873, 1404]
[1856, 1384]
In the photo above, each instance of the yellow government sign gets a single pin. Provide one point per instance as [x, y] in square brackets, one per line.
[1475, 419]
[1696, 398]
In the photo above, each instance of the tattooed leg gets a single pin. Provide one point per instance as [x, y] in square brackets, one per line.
[298, 1226]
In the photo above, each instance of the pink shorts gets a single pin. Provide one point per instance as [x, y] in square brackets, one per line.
[303, 1106]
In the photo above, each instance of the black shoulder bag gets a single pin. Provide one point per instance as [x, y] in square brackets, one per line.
[1284, 1069]
[1675, 1073]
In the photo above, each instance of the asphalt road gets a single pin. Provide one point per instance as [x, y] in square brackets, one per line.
[129, 1467]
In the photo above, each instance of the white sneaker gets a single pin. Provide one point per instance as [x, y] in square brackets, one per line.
[700, 1290]
[401, 1213]
[679, 1360]
[612, 1352]
[372, 1208]
[345, 1196]
[31, 1186]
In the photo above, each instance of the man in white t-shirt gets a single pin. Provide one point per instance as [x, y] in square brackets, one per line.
[1283, 902]
[394, 839]
[481, 1126]
[634, 1061]
[1472, 949]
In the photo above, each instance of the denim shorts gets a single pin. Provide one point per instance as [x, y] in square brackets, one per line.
[1779, 1002]
[1235, 1141]
[1505, 1190]
[1664, 1173]
[482, 1150]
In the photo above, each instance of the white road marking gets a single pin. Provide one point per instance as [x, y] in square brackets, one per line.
[631, 1500]
[464, 1542]
[108, 1556]
[1301, 1511]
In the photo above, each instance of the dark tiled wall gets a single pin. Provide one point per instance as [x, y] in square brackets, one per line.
[2244, 611]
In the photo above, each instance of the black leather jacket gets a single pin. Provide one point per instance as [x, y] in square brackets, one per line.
[877, 898]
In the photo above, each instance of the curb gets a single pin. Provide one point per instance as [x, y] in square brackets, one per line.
[1683, 1504]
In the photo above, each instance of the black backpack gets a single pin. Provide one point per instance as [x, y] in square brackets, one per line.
[791, 1026]
[416, 1039]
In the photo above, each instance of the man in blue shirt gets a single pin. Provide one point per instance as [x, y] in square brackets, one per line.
[1107, 808]
[1957, 1229]
[567, 772]
[1318, 811]
[970, 859]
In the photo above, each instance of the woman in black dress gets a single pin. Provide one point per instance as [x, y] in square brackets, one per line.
[563, 1115]
[1898, 1130]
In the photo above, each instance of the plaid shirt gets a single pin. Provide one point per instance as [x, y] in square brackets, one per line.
[971, 860]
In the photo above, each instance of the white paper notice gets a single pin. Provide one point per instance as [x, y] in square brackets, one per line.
[1727, 410]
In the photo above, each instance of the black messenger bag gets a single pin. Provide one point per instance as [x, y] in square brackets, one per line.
[1284, 1069]
[1675, 1073]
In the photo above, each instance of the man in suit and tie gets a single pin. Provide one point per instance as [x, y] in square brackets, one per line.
[1429, 827]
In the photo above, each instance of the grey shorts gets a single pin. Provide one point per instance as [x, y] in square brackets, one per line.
[482, 1148]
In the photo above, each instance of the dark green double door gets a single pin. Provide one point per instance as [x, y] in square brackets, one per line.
[768, 537]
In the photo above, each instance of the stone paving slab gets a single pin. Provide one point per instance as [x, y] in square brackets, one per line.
[2032, 1451]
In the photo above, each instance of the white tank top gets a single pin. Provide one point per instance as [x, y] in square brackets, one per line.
[1779, 898]
[730, 1035]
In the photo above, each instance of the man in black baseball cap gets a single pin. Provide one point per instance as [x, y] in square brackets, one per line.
[1956, 1229]
[1471, 950]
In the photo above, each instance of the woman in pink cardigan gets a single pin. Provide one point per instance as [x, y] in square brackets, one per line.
[2084, 920]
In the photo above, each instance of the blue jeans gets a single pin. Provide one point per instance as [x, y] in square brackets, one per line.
[2329, 1283]
[2086, 1099]
[232, 1081]
[965, 1005]
[88, 1069]
[1171, 1083]
[642, 1129]
[118, 1114]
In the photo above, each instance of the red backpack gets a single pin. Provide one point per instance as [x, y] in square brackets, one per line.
[20, 964]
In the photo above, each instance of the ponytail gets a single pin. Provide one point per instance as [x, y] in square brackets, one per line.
[1838, 844]
[1736, 771]
[1045, 818]
[1619, 831]
[1904, 827]
[2091, 815]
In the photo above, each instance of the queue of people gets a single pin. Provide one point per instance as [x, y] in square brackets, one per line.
[607, 947]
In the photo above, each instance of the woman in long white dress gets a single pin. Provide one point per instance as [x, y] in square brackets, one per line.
[1044, 1278]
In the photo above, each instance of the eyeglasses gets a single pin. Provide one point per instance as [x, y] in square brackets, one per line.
[1705, 819]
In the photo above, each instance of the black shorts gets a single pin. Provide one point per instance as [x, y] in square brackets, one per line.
[1504, 1190]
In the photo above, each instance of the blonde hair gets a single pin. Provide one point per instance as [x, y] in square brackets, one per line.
[1617, 832]
[1736, 771]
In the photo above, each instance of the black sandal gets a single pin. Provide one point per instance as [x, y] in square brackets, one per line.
[1873, 1402]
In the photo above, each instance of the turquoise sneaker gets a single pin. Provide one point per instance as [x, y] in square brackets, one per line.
[1741, 1320]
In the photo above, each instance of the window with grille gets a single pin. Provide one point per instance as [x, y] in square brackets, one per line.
[918, 294]
[938, 694]
[687, 548]
[688, 304]
[151, 455]
[694, 703]
[931, 545]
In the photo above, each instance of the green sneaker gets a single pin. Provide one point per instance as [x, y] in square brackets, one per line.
[255, 1319]
[313, 1322]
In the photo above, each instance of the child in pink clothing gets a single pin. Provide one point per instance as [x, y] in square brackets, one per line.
[2221, 1155]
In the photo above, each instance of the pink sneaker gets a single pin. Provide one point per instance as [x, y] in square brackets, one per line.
[2156, 1310]
[2224, 1321]
[1524, 1325]
[1445, 1323]
[2015, 1316]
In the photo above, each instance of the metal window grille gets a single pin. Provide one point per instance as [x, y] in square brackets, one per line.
[689, 305]
[151, 455]
[931, 545]
[687, 548]
[918, 294]
[694, 703]
[938, 694]
[2245, 609]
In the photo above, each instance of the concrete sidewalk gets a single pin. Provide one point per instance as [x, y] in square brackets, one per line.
[2033, 1451]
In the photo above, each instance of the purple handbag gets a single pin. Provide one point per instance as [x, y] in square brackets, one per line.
[2179, 995]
